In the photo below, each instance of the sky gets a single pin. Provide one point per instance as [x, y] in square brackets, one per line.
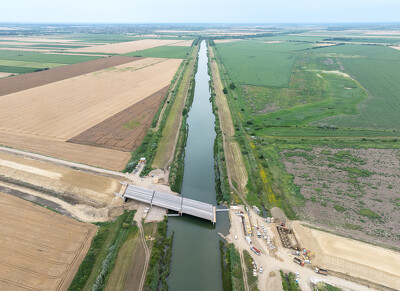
[200, 11]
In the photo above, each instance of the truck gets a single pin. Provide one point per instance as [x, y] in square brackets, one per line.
[298, 261]
[248, 239]
[321, 271]
[257, 252]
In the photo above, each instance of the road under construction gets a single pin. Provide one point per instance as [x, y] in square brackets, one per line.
[176, 203]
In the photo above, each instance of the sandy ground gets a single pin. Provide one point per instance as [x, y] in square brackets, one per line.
[351, 257]
[126, 47]
[92, 188]
[234, 158]
[2, 75]
[82, 102]
[94, 156]
[278, 259]
[183, 43]
[40, 249]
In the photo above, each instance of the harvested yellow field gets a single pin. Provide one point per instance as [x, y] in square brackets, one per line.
[2, 75]
[25, 49]
[39, 39]
[351, 257]
[40, 249]
[396, 47]
[126, 47]
[183, 43]
[42, 119]
[85, 186]
[66, 108]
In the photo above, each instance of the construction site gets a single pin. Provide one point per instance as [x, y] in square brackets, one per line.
[279, 244]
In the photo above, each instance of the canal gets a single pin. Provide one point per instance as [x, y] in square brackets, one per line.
[196, 261]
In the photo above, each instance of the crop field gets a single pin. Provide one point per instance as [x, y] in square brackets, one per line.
[258, 63]
[125, 130]
[40, 248]
[353, 191]
[80, 103]
[167, 51]
[126, 47]
[378, 71]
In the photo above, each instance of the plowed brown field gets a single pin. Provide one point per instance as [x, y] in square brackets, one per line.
[40, 249]
[126, 47]
[125, 130]
[28, 81]
[41, 119]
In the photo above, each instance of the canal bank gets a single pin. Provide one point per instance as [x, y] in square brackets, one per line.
[195, 261]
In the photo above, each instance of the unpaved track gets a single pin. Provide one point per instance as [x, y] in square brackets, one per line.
[242, 262]
[234, 160]
[138, 219]
[41, 250]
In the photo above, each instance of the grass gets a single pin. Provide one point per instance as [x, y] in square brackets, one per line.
[289, 282]
[118, 276]
[171, 52]
[369, 213]
[43, 58]
[16, 70]
[260, 64]
[105, 244]
[174, 116]
[251, 280]
[29, 64]
[160, 259]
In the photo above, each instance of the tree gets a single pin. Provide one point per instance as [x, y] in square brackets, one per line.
[225, 91]
[232, 86]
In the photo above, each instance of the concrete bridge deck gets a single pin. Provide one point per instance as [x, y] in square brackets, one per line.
[172, 202]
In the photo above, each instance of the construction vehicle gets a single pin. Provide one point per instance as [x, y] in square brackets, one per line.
[296, 253]
[321, 271]
[298, 261]
[308, 255]
[257, 252]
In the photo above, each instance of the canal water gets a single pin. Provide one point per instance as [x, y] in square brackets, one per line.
[196, 263]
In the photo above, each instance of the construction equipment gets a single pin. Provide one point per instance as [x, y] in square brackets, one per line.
[308, 255]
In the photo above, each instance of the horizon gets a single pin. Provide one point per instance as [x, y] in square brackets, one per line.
[208, 11]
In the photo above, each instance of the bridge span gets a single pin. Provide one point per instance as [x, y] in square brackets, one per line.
[169, 201]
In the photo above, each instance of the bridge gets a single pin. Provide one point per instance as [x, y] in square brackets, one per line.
[169, 201]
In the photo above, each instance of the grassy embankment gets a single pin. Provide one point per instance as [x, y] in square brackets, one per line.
[167, 51]
[251, 280]
[159, 137]
[160, 259]
[232, 275]
[318, 103]
[95, 270]
[289, 282]
[222, 187]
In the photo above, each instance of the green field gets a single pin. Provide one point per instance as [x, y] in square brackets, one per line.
[378, 72]
[16, 70]
[43, 58]
[171, 52]
[259, 63]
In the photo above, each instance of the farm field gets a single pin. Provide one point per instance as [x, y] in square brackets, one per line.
[66, 115]
[167, 51]
[125, 130]
[40, 248]
[257, 63]
[126, 47]
[28, 81]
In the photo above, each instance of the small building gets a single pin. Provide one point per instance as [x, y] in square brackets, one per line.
[142, 161]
